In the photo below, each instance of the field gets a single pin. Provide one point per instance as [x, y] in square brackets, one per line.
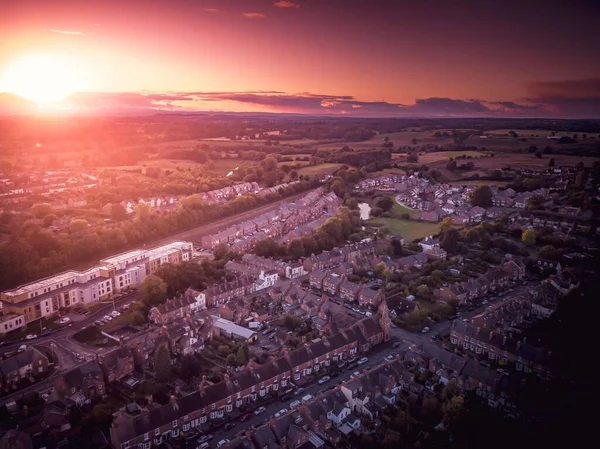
[320, 169]
[479, 183]
[528, 160]
[410, 230]
[429, 158]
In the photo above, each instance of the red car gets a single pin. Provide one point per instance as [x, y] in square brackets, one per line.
[246, 417]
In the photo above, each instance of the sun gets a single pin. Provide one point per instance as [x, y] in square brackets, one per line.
[43, 78]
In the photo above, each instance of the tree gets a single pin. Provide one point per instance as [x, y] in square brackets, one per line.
[450, 241]
[481, 196]
[338, 188]
[141, 210]
[413, 157]
[551, 162]
[162, 363]
[453, 410]
[385, 203]
[49, 219]
[352, 204]
[423, 290]
[292, 322]
[118, 212]
[243, 355]
[535, 202]
[445, 224]
[78, 225]
[40, 210]
[580, 179]
[153, 290]
[528, 237]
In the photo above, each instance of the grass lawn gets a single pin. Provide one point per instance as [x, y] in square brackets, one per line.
[428, 158]
[410, 230]
[398, 211]
[320, 169]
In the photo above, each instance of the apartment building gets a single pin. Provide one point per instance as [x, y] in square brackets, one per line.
[45, 297]
[11, 322]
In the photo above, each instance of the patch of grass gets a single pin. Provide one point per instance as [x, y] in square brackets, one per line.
[398, 210]
[320, 169]
[410, 230]
[438, 156]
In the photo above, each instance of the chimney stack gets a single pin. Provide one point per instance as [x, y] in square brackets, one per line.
[491, 334]
[504, 340]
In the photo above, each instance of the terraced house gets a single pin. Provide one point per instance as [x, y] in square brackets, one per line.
[143, 427]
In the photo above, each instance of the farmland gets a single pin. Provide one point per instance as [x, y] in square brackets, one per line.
[320, 169]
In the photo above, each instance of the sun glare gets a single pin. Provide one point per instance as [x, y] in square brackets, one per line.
[42, 78]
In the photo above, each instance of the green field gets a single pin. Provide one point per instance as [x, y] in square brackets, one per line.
[398, 211]
[320, 169]
[410, 230]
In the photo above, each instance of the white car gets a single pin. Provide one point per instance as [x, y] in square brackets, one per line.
[115, 313]
[390, 357]
[260, 410]
[223, 442]
[107, 318]
[204, 445]
[283, 411]
[323, 380]
[64, 320]
[363, 361]
[30, 337]
[354, 375]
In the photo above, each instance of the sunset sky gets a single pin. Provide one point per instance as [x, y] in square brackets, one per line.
[354, 57]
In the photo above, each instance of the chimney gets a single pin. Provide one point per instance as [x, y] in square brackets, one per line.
[524, 339]
[518, 345]
[478, 329]
[174, 403]
[504, 340]
[491, 334]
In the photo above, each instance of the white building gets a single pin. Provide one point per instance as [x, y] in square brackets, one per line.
[11, 322]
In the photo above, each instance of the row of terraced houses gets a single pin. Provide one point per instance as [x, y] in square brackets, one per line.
[155, 424]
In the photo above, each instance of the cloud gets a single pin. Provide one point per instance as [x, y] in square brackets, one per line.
[212, 10]
[74, 33]
[555, 100]
[286, 4]
[569, 98]
[254, 15]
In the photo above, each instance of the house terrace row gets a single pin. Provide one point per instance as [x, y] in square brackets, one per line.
[214, 401]
[275, 223]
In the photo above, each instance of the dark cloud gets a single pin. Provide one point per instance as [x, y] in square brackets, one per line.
[286, 4]
[449, 106]
[569, 98]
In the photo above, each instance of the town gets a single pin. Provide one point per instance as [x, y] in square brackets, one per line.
[310, 323]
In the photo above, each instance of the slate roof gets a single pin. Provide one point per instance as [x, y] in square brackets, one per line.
[19, 360]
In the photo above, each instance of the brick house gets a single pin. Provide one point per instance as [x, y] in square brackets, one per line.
[370, 297]
[349, 291]
[83, 384]
[316, 279]
[331, 284]
[22, 365]
[117, 364]
[177, 308]
[408, 262]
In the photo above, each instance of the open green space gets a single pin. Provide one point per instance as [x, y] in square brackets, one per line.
[410, 230]
[320, 169]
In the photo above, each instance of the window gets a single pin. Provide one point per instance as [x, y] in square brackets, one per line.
[126, 445]
[213, 406]
[156, 432]
[228, 407]
[146, 436]
[186, 427]
[203, 419]
[174, 423]
[175, 433]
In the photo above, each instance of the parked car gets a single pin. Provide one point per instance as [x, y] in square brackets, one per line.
[229, 426]
[204, 438]
[354, 375]
[256, 425]
[246, 417]
[307, 398]
[390, 357]
[336, 374]
[285, 397]
[425, 330]
[30, 336]
[203, 446]
[283, 411]
[223, 442]
[298, 391]
[46, 333]
[342, 364]
[363, 360]
[64, 320]
[294, 405]
[107, 318]
[323, 380]
[259, 410]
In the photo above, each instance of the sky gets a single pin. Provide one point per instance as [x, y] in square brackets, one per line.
[523, 58]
